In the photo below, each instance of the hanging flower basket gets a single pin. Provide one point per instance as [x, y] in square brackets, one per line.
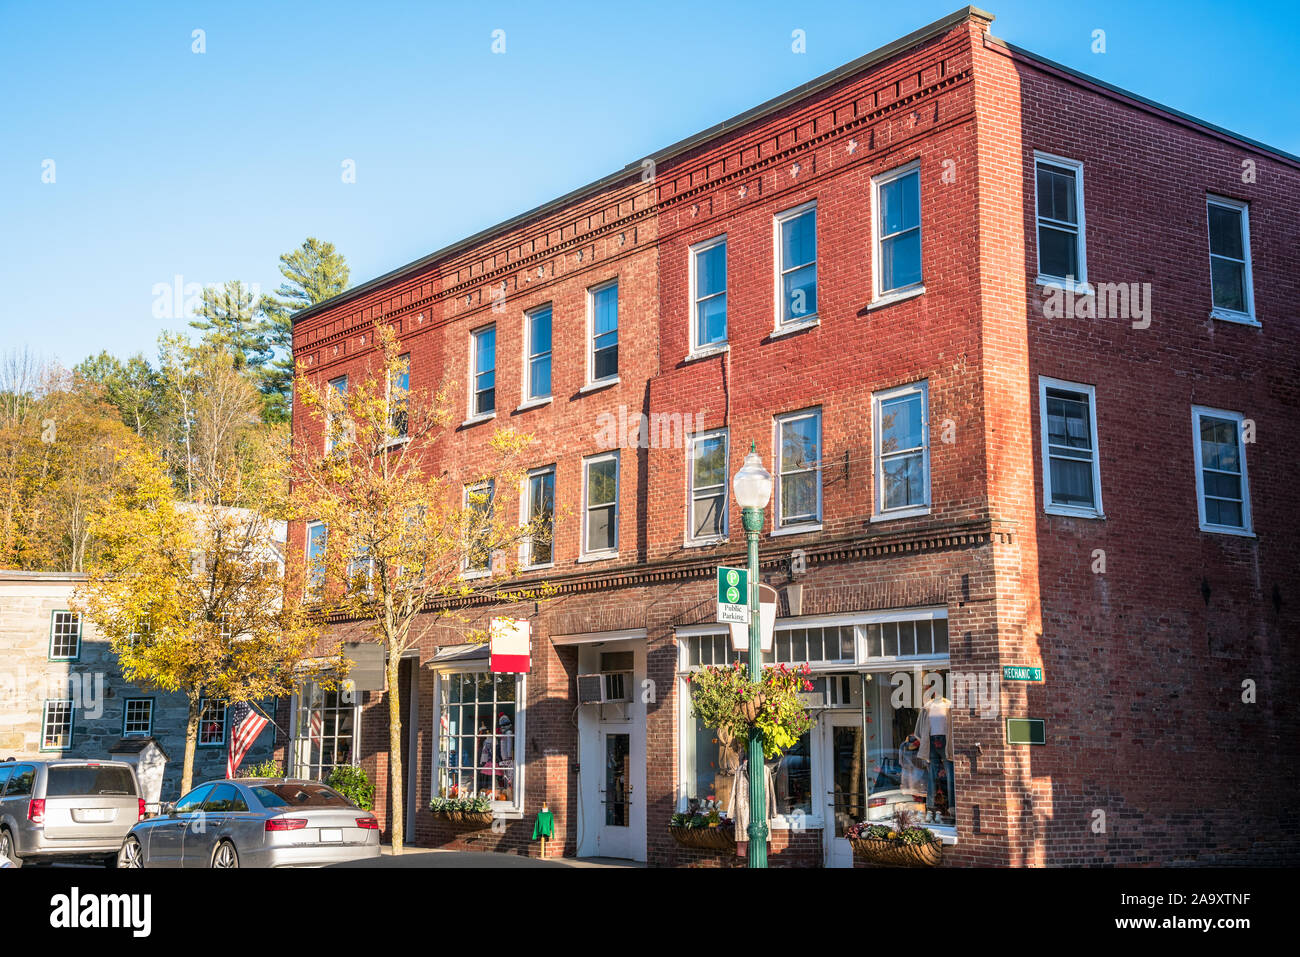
[475, 811]
[897, 852]
[476, 818]
[705, 838]
[726, 699]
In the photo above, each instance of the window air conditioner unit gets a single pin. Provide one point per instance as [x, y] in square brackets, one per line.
[605, 687]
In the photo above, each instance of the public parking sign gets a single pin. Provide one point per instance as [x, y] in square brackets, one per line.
[733, 595]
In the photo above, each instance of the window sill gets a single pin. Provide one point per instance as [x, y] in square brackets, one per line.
[1240, 318]
[598, 557]
[704, 542]
[1226, 530]
[470, 576]
[598, 385]
[478, 419]
[1066, 512]
[1079, 288]
[901, 295]
[534, 403]
[536, 568]
[394, 443]
[790, 328]
[801, 824]
[796, 529]
[705, 352]
[901, 513]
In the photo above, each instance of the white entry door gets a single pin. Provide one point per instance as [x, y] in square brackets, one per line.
[842, 764]
[617, 794]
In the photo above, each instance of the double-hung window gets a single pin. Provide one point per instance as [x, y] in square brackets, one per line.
[896, 213]
[1058, 188]
[1071, 462]
[901, 435]
[539, 516]
[707, 461]
[56, 725]
[478, 520]
[1230, 284]
[600, 505]
[796, 266]
[537, 349]
[709, 293]
[799, 464]
[212, 723]
[65, 636]
[480, 719]
[316, 539]
[602, 306]
[400, 388]
[334, 413]
[1222, 491]
[483, 362]
[137, 717]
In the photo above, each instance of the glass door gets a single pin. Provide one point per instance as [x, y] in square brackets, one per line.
[842, 756]
[615, 835]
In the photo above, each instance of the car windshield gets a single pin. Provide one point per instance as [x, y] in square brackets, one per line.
[105, 780]
[299, 795]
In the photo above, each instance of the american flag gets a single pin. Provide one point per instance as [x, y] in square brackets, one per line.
[315, 729]
[245, 724]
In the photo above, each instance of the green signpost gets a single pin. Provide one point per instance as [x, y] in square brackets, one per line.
[733, 595]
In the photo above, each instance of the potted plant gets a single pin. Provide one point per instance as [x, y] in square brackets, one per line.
[475, 809]
[900, 844]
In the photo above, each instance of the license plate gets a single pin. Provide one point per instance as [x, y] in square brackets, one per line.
[331, 835]
[90, 814]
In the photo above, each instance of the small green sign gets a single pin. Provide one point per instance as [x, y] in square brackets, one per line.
[733, 594]
[1026, 731]
[1021, 673]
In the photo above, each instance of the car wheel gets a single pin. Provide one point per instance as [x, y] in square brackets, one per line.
[224, 856]
[7, 851]
[131, 855]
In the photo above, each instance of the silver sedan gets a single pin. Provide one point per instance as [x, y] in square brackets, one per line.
[254, 822]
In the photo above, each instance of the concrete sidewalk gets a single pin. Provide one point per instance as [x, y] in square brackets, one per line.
[421, 857]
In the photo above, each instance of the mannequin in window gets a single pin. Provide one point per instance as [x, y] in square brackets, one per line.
[934, 733]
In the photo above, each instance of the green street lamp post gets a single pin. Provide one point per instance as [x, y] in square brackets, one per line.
[753, 488]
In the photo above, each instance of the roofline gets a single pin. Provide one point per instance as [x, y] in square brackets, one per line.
[22, 575]
[1140, 100]
[681, 146]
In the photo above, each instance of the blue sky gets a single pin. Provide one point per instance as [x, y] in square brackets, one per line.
[208, 166]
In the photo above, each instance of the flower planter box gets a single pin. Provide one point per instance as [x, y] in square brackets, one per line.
[472, 818]
[896, 853]
[705, 838]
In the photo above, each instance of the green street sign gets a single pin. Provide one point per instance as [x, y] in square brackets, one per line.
[1021, 673]
[1026, 731]
[733, 594]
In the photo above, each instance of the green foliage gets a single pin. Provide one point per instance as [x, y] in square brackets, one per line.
[351, 781]
[270, 768]
[229, 320]
[724, 698]
[474, 804]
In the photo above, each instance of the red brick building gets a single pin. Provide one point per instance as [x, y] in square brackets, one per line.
[1019, 349]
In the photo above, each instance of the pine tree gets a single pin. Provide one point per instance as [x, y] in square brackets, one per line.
[229, 318]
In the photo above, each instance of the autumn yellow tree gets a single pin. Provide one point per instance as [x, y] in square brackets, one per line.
[190, 592]
[403, 540]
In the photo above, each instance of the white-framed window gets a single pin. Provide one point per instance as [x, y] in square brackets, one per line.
[325, 727]
[537, 353]
[600, 504]
[336, 390]
[896, 232]
[401, 389]
[708, 293]
[602, 320]
[56, 725]
[706, 460]
[1231, 288]
[1058, 205]
[795, 238]
[799, 470]
[137, 717]
[480, 718]
[1222, 487]
[315, 545]
[65, 636]
[539, 506]
[478, 502]
[901, 438]
[1067, 412]
[483, 372]
[361, 571]
[212, 723]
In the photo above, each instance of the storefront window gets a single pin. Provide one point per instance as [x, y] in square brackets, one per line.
[324, 731]
[477, 726]
[909, 753]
